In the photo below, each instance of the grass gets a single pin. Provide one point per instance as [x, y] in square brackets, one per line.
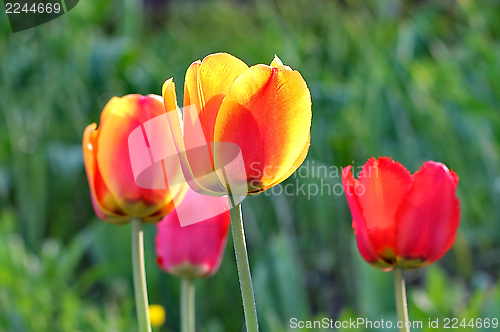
[414, 81]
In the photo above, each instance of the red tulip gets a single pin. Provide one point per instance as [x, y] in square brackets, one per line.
[402, 219]
[115, 195]
[195, 250]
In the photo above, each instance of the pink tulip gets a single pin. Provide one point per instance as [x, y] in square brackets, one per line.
[196, 250]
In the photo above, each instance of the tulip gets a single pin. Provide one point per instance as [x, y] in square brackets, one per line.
[114, 193]
[245, 129]
[113, 190]
[263, 112]
[196, 250]
[402, 221]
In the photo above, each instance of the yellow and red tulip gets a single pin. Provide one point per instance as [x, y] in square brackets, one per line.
[262, 111]
[115, 195]
[196, 250]
[400, 219]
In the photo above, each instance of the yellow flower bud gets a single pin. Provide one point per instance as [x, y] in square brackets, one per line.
[157, 315]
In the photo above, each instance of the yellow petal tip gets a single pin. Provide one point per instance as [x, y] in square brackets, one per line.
[276, 62]
[168, 93]
[167, 85]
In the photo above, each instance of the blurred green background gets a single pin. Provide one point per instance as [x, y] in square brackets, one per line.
[414, 80]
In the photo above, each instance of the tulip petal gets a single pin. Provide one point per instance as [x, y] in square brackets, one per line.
[191, 86]
[206, 84]
[300, 159]
[429, 216]
[109, 210]
[276, 62]
[113, 158]
[107, 109]
[363, 239]
[169, 96]
[267, 113]
[192, 149]
[385, 183]
[178, 197]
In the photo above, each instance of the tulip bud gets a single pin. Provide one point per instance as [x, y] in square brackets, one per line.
[196, 250]
[114, 193]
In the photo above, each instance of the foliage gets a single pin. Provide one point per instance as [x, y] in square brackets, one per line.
[411, 80]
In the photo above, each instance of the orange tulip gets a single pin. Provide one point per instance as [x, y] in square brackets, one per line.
[115, 195]
[400, 219]
[260, 113]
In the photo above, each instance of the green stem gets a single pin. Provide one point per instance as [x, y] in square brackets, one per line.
[187, 305]
[240, 249]
[141, 293]
[400, 290]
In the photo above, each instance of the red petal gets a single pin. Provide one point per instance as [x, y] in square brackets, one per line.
[383, 184]
[363, 240]
[103, 202]
[429, 216]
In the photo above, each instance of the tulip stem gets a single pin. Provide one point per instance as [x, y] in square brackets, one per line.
[240, 249]
[400, 290]
[141, 293]
[187, 305]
